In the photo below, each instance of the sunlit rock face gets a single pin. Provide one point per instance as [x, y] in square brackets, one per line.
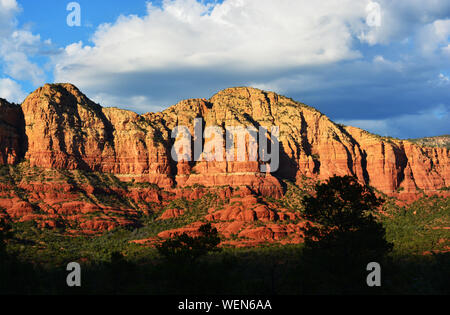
[58, 138]
[61, 128]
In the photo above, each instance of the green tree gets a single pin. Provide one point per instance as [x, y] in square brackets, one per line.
[187, 248]
[344, 235]
[341, 212]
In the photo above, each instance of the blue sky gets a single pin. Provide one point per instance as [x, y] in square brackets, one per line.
[380, 65]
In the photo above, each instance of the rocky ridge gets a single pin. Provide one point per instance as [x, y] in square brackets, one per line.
[58, 130]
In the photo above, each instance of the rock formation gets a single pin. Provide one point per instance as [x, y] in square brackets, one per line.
[59, 128]
[64, 129]
[12, 136]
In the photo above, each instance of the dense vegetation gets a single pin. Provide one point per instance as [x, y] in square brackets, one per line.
[34, 260]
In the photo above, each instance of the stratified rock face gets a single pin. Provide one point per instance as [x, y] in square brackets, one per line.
[397, 164]
[63, 136]
[65, 130]
[12, 135]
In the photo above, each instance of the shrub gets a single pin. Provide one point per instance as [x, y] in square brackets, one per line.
[186, 248]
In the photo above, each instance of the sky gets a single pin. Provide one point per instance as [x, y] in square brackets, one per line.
[381, 65]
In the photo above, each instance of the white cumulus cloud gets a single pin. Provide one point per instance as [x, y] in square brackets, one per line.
[434, 37]
[401, 19]
[233, 38]
[186, 48]
[11, 91]
[18, 46]
[239, 34]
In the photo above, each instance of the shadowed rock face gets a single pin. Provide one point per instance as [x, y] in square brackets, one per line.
[61, 128]
[12, 134]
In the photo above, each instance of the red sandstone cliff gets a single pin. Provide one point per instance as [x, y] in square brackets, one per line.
[64, 129]
[61, 136]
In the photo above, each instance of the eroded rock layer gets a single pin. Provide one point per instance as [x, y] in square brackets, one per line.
[61, 128]
[68, 162]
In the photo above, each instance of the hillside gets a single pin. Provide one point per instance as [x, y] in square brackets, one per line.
[71, 164]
